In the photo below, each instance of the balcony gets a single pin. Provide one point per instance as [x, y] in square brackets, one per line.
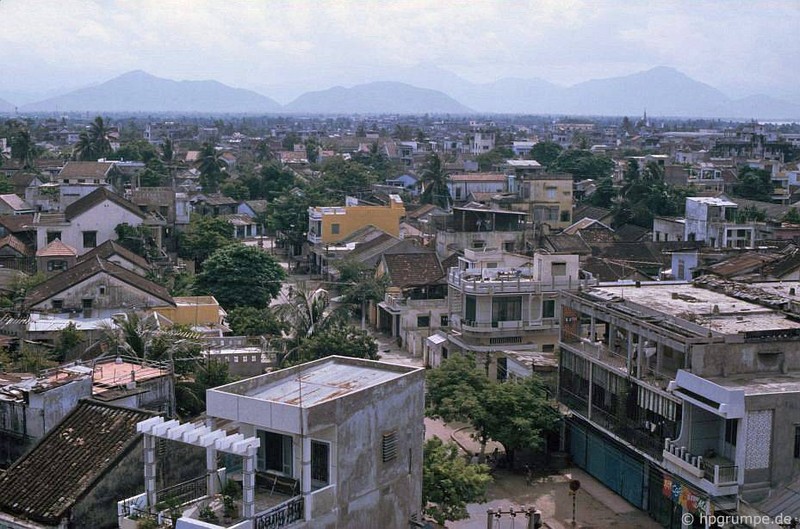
[190, 503]
[397, 304]
[518, 325]
[506, 280]
[716, 475]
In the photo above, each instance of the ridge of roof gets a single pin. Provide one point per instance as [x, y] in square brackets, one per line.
[85, 203]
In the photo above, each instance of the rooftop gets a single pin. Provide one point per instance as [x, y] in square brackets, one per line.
[317, 382]
[716, 311]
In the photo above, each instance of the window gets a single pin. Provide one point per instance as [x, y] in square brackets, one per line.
[335, 229]
[559, 269]
[53, 235]
[470, 308]
[731, 430]
[507, 309]
[551, 192]
[444, 321]
[89, 239]
[389, 447]
[797, 442]
[548, 347]
[423, 322]
[549, 308]
[275, 452]
[56, 265]
[58, 304]
[478, 244]
[102, 290]
[565, 216]
[86, 303]
[320, 465]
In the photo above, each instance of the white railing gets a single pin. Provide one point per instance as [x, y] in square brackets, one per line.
[499, 280]
[724, 474]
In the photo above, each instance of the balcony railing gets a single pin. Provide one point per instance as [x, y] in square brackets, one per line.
[717, 470]
[281, 515]
[185, 491]
[544, 323]
[507, 280]
[398, 303]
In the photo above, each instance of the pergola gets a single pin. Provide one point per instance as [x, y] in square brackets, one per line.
[213, 441]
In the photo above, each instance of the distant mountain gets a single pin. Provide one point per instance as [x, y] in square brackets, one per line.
[660, 91]
[377, 98]
[757, 107]
[139, 91]
[5, 106]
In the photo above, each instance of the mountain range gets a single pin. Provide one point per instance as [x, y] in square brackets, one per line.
[660, 91]
[139, 91]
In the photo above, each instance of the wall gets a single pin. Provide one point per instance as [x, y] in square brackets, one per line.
[102, 219]
[118, 295]
[448, 241]
[386, 218]
[47, 408]
[368, 489]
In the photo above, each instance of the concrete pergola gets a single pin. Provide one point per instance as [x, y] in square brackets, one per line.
[205, 437]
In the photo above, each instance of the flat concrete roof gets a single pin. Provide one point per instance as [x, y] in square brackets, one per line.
[713, 310]
[317, 382]
[761, 383]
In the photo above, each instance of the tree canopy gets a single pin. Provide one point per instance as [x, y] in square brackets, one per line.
[546, 152]
[449, 483]
[239, 275]
[204, 236]
[516, 413]
[583, 164]
[755, 184]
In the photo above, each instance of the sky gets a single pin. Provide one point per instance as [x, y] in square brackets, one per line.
[283, 48]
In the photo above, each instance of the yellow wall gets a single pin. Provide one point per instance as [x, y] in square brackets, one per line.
[538, 197]
[199, 310]
[387, 218]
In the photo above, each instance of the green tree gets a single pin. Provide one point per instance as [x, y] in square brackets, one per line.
[24, 149]
[190, 391]
[204, 236]
[545, 152]
[239, 275]
[498, 155]
[360, 285]
[339, 339]
[68, 340]
[307, 312]
[167, 151]
[434, 181]
[449, 483]
[583, 164]
[137, 239]
[341, 177]
[93, 143]
[251, 321]
[456, 390]
[792, 216]
[211, 168]
[755, 184]
[519, 414]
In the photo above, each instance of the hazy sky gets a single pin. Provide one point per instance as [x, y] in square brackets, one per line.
[740, 47]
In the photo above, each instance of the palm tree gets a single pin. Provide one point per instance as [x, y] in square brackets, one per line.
[211, 168]
[98, 136]
[307, 313]
[167, 151]
[93, 143]
[434, 180]
[23, 149]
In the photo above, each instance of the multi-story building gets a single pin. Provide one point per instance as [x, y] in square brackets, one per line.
[332, 443]
[683, 397]
[476, 227]
[501, 302]
[714, 220]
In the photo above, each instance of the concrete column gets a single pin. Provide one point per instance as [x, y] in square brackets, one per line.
[592, 329]
[629, 355]
[249, 484]
[659, 356]
[211, 471]
[149, 453]
[639, 355]
[305, 482]
[589, 398]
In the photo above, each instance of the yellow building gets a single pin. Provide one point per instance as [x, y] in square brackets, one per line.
[196, 311]
[547, 199]
[328, 225]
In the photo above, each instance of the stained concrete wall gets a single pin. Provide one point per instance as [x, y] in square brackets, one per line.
[367, 489]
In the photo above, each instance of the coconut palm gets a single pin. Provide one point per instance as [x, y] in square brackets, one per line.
[434, 180]
[93, 143]
[23, 149]
[211, 168]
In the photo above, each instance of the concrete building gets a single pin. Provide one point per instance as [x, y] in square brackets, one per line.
[692, 389]
[475, 226]
[714, 220]
[332, 443]
[332, 224]
[501, 302]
